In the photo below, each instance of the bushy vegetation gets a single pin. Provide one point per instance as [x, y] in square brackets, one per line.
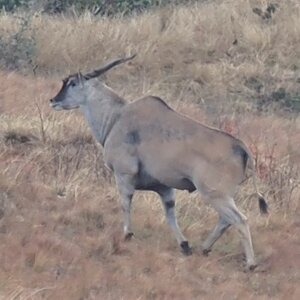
[17, 49]
[102, 7]
[11, 5]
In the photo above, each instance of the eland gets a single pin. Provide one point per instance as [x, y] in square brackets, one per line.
[149, 146]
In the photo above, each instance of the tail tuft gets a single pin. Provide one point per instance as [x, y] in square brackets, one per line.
[263, 206]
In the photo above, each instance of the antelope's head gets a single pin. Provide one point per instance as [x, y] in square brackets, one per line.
[73, 92]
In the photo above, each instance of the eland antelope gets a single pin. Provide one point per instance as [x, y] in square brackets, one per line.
[149, 146]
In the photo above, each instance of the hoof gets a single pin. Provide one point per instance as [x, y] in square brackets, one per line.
[185, 248]
[205, 252]
[128, 236]
[251, 267]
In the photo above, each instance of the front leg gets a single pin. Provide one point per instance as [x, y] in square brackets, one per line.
[126, 191]
[168, 199]
[126, 208]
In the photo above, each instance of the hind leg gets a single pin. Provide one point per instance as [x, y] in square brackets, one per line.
[243, 229]
[230, 214]
[215, 234]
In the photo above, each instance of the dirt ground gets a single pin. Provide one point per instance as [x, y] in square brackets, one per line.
[60, 226]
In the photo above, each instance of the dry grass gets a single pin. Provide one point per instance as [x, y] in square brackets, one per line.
[60, 218]
[203, 53]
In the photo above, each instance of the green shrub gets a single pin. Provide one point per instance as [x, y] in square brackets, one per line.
[105, 7]
[17, 51]
[11, 5]
[102, 7]
[280, 100]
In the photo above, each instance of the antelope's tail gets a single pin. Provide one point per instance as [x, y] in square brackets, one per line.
[263, 206]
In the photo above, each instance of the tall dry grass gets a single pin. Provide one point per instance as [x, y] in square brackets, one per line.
[214, 52]
[60, 218]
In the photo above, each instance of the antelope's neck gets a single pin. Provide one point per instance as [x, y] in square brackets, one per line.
[102, 112]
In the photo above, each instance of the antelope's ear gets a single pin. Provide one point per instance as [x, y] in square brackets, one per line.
[81, 78]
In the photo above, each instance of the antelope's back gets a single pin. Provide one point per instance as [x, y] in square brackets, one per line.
[170, 144]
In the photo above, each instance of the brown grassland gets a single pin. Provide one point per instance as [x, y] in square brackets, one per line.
[60, 217]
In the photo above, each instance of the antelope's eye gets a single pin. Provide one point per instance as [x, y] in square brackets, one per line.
[72, 83]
